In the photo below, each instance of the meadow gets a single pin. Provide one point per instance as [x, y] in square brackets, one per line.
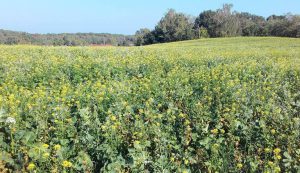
[209, 105]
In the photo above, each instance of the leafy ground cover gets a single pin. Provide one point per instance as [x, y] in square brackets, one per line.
[211, 105]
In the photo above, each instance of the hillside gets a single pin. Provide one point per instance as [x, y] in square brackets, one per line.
[208, 105]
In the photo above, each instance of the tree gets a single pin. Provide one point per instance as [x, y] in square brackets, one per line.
[220, 23]
[227, 23]
[174, 27]
[251, 25]
[285, 26]
[207, 20]
[11, 37]
[203, 32]
[141, 36]
[12, 40]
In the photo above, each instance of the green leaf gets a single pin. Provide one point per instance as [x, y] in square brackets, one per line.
[286, 154]
[29, 138]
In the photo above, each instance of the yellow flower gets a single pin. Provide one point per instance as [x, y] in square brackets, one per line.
[114, 127]
[103, 127]
[277, 151]
[273, 131]
[185, 171]
[270, 163]
[239, 166]
[181, 115]
[222, 131]
[52, 128]
[267, 150]
[278, 157]
[113, 118]
[216, 146]
[186, 161]
[172, 159]
[29, 106]
[277, 169]
[45, 146]
[31, 166]
[66, 164]
[57, 147]
[46, 155]
[186, 122]
[214, 131]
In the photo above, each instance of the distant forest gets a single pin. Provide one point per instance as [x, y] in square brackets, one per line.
[174, 26]
[219, 23]
[66, 39]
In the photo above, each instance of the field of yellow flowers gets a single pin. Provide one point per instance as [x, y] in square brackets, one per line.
[211, 105]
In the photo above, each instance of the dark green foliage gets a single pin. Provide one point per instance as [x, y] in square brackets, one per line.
[172, 27]
[251, 25]
[142, 36]
[78, 39]
[219, 23]
[285, 26]
[207, 21]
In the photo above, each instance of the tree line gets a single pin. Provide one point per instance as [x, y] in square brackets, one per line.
[222, 22]
[78, 39]
[174, 26]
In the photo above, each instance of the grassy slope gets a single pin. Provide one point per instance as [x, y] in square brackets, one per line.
[159, 104]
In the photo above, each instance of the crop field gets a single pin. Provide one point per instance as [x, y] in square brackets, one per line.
[209, 105]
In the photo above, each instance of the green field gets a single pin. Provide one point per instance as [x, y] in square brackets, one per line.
[210, 105]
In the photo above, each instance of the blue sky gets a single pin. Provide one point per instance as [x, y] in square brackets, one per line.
[116, 16]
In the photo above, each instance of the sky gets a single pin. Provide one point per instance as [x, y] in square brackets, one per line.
[117, 16]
